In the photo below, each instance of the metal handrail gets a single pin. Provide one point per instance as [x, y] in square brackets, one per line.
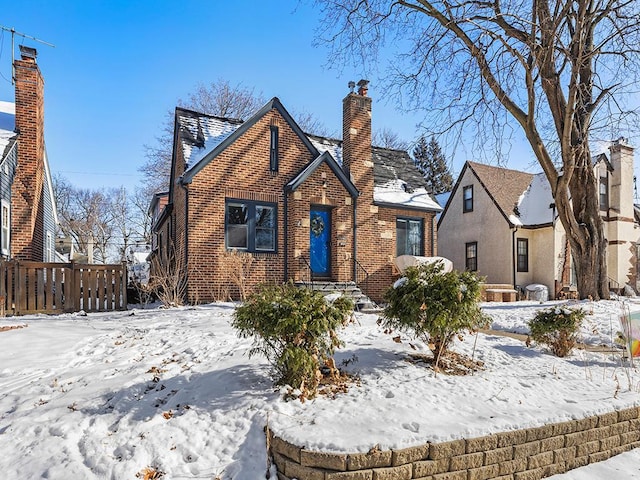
[366, 276]
[615, 283]
[309, 270]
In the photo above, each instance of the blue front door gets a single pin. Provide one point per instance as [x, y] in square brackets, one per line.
[319, 238]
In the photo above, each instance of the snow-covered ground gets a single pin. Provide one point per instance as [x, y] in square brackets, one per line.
[107, 395]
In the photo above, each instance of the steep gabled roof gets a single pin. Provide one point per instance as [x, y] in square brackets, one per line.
[396, 180]
[203, 137]
[523, 199]
[333, 165]
[503, 185]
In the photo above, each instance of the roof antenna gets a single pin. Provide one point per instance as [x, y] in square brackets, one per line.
[23, 35]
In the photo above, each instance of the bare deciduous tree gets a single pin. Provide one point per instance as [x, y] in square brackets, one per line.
[106, 219]
[554, 70]
[387, 138]
[218, 98]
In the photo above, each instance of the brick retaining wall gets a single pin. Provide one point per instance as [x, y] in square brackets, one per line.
[529, 454]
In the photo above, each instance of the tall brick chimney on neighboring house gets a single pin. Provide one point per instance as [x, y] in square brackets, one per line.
[356, 139]
[26, 208]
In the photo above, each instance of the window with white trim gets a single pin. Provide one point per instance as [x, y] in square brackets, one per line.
[49, 248]
[5, 219]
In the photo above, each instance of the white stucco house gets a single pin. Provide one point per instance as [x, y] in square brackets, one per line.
[503, 224]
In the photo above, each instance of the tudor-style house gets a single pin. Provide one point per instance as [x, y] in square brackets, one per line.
[28, 216]
[503, 224]
[260, 201]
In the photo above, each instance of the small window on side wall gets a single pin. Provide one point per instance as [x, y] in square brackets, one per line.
[273, 149]
[523, 254]
[5, 218]
[471, 256]
[603, 190]
[467, 199]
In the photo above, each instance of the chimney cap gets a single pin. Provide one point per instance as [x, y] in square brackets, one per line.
[28, 52]
[352, 85]
[363, 87]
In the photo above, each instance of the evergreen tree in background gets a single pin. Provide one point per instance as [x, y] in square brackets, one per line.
[433, 166]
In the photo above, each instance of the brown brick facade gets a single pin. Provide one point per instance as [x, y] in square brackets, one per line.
[241, 171]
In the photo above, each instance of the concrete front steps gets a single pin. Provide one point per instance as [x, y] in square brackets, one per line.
[361, 302]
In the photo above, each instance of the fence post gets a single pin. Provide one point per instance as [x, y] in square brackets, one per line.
[125, 284]
[71, 294]
[17, 278]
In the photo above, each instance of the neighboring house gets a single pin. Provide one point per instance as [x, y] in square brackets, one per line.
[28, 215]
[294, 206]
[137, 264]
[503, 224]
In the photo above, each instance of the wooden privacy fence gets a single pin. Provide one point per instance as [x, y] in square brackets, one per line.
[35, 287]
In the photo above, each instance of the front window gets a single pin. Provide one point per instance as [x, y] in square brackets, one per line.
[409, 235]
[250, 226]
[604, 193]
[471, 256]
[467, 199]
[523, 254]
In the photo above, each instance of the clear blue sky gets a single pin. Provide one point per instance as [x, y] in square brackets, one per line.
[118, 67]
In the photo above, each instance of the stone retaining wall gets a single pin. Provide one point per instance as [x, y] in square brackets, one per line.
[529, 454]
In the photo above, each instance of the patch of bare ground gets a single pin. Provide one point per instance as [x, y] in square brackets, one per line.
[449, 363]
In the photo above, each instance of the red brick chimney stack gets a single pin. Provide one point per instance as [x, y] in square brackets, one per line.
[29, 179]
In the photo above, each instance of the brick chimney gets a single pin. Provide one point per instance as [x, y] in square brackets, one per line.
[26, 206]
[356, 139]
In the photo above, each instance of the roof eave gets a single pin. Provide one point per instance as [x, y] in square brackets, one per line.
[306, 172]
[402, 206]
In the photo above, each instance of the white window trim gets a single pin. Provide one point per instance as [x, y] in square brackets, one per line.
[48, 252]
[6, 230]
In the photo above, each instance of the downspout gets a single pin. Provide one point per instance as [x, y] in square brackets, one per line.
[513, 253]
[286, 237]
[186, 238]
[355, 243]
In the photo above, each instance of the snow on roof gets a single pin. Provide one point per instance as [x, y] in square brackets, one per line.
[534, 204]
[398, 192]
[396, 178]
[7, 124]
[202, 133]
[334, 147]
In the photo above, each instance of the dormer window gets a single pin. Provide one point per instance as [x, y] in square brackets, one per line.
[273, 150]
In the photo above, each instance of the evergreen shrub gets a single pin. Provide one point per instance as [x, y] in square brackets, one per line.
[434, 305]
[557, 328]
[295, 329]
